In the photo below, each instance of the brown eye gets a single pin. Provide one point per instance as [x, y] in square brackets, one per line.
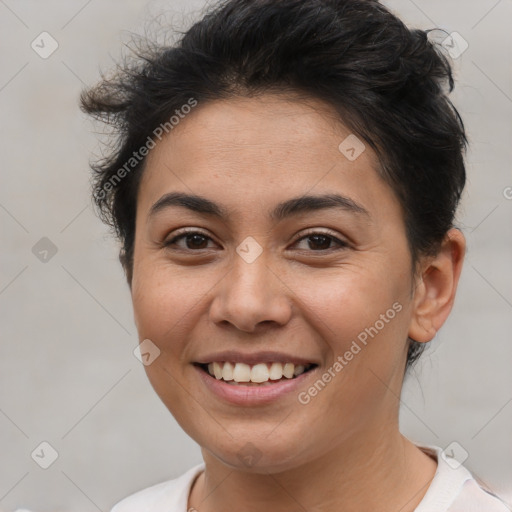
[320, 242]
[190, 241]
[196, 241]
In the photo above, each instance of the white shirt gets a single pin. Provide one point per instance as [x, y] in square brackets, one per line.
[453, 489]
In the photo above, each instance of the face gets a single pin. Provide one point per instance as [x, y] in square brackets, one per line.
[259, 242]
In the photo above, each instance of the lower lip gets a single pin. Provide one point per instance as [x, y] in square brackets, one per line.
[252, 395]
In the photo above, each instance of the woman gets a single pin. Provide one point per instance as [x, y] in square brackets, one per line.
[284, 189]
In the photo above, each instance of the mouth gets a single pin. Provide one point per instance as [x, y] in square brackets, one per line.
[259, 374]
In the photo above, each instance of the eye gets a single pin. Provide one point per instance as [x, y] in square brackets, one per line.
[190, 240]
[319, 241]
[314, 241]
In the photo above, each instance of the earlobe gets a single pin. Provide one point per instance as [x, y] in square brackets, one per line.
[435, 289]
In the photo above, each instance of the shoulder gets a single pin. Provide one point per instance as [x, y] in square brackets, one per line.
[172, 493]
[454, 489]
[474, 498]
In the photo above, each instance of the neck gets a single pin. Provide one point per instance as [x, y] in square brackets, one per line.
[388, 474]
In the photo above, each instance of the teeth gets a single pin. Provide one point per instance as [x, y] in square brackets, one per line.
[288, 369]
[241, 373]
[298, 370]
[261, 373]
[227, 371]
[217, 370]
[276, 371]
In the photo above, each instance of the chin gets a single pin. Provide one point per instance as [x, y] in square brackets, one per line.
[257, 454]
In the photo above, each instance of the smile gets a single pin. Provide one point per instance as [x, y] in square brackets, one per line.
[256, 374]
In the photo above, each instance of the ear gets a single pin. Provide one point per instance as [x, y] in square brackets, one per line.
[436, 285]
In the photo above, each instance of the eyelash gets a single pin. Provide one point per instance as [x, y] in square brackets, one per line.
[341, 244]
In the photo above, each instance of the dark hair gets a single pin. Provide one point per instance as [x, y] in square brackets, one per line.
[388, 84]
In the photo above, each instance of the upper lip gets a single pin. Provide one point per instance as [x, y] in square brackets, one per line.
[234, 356]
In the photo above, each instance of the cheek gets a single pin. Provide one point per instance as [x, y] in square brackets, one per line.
[362, 314]
[159, 300]
[169, 304]
[164, 310]
[342, 304]
[361, 320]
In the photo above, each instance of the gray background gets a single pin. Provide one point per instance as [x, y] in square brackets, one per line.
[68, 375]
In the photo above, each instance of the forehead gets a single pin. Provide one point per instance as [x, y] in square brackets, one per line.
[267, 121]
[263, 146]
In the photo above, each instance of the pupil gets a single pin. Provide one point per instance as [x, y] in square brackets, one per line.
[320, 241]
[196, 241]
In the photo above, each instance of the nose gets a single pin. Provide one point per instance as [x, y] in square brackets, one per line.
[251, 295]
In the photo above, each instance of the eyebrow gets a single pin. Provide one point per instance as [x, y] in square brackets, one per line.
[289, 208]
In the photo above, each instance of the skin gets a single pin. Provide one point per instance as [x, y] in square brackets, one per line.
[343, 450]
